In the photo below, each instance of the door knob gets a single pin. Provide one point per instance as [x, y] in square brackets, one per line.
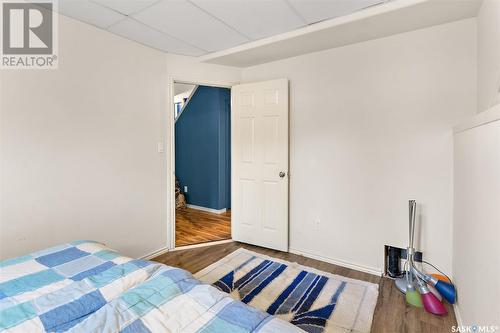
[282, 174]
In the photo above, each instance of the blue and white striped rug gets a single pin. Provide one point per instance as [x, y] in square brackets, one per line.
[313, 300]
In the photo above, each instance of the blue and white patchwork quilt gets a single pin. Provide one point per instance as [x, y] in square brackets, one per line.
[86, 287]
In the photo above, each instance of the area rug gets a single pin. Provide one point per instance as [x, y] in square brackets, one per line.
[313, 300]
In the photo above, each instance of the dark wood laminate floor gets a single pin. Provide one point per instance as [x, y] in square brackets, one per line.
[194, 226]
[391, 314]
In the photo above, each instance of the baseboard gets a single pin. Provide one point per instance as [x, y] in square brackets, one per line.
[194, 246]
[365, 269]
[458, 316]
[206, 209]
[155, 253]
[165, 249]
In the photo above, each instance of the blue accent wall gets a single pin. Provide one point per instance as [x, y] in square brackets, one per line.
[203, 148]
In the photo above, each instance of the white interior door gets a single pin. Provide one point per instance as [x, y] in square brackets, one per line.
[259, 141]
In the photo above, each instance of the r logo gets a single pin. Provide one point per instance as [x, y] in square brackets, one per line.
[27, 28]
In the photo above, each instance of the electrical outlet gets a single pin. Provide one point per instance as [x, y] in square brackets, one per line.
[317, 224]
[401, 254]
[185, 189]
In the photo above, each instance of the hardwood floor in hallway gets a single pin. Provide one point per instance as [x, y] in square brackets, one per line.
[194, 226]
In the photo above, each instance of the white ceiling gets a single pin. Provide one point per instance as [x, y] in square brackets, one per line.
[200, 27]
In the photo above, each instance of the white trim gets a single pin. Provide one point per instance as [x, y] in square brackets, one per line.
[375, 22]
[458, 316]
[482, 118]
[338, 262]
[170, 144]
[206, 209]
[201, 82]
[165, 249]
[154, 254]
[194, 246]
[388, 6]
[171, 165]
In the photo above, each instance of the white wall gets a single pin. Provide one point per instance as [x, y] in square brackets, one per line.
[488, 54]
[476, 252]
[79, 157]
[371, 127]
[366, 143]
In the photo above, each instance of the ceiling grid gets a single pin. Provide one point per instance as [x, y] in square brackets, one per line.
[199, 27]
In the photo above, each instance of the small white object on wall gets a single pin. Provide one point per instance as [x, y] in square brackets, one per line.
[159, 147]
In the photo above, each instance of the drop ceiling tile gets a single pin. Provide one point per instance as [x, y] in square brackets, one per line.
[183, 20]
[318, 10]
[132, 29]
[89, 12]
[126, 7]
[255, 18]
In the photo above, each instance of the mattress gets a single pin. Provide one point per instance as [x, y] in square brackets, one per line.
[86, 287]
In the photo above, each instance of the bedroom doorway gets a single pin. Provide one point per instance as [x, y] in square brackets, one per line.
[202, 163]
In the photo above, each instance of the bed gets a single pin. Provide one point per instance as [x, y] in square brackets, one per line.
[86, 287]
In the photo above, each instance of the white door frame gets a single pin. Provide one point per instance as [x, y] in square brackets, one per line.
[170, 151]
